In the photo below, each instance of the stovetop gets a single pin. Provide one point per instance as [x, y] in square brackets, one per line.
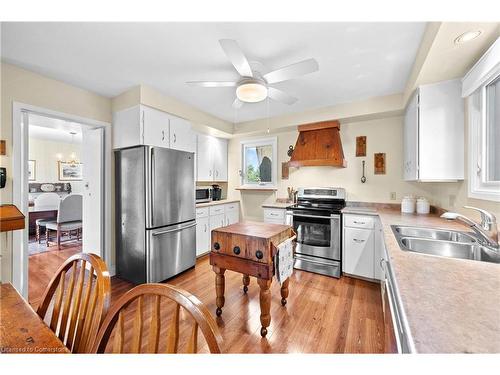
[331, 206]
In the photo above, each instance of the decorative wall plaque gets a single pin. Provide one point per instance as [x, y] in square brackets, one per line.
[379, 161]
[361, 145]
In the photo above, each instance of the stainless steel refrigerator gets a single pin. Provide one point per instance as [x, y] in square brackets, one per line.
[155, 213]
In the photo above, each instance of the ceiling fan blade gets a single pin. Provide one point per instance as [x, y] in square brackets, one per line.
[236, 56]
[212, 83]
[280, 96]
[237, 103]
[292, 71]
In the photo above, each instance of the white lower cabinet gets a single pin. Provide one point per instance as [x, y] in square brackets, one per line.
[202, 236]
[274, 215]
[213, 217]
[361, 246]
[358, 250]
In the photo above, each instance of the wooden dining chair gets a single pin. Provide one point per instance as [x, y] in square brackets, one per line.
[178, 298]
[76, 301]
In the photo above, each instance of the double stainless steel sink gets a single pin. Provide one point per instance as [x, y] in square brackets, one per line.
[444, 242]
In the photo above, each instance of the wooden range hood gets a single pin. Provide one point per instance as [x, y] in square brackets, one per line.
[318, 144]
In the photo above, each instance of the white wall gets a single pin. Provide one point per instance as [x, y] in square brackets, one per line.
[20, 85]
[383, 135]
[45, 153]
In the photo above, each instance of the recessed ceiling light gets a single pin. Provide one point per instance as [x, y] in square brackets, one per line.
[467, 36]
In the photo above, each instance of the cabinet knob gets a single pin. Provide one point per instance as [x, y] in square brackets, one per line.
[259, 254]
[236, 250]
[216, 246]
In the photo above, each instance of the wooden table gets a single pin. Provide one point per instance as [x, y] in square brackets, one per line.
[249, 248]
[21, 329]
[10, 218]
[40, 212]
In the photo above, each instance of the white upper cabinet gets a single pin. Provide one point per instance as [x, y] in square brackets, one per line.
[204, 158]
[211, 158]
[434, 133]
[410, 140]
[220, 159]
[182, 137]
[142, 125]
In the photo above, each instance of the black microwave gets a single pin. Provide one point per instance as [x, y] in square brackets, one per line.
[203, 194]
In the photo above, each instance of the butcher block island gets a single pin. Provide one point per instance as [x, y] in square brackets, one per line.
[249, 248]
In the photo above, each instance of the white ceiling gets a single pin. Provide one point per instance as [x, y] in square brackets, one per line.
[52, 129]
[357, 60]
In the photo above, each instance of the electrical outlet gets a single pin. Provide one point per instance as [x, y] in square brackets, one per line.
[393, 195]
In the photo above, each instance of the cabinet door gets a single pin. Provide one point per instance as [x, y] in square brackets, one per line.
[220, 159]
[217, 221]
[182, 136]
[155, 127]
[441, 131]
[204, 159]
[202, 236]
[410, 140]
[127, 127]
[232, 217]
[359, 252]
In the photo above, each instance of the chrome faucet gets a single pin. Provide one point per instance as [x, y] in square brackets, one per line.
[487, 230]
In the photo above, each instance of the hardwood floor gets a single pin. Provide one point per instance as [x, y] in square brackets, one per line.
[323, 315]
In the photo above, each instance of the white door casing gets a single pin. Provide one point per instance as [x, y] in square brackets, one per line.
[93, 192]
[20, 141]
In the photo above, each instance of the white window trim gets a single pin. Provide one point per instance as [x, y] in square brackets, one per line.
[478, 187]
[274, 167]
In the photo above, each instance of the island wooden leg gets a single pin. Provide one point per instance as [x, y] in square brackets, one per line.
[284, 291]
[246, 283]
[265, 305]
[219, 289]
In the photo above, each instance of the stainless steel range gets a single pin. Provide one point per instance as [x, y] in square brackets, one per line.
[317, 220]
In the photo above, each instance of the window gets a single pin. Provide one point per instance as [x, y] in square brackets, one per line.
[493, 131]
[484, 141]
[259, 163]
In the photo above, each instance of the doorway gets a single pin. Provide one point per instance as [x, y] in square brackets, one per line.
[65, 157]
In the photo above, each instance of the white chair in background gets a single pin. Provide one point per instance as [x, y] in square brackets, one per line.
[69, 218]
[41, 201]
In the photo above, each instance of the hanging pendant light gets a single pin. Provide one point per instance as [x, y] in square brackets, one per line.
[73, 160]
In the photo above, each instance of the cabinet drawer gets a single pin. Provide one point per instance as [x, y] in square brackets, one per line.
[359, 221]
[274, 214]
[216, 210]
[231, 207]
[201, 212]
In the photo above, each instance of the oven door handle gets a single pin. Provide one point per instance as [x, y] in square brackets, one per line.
[313, 216]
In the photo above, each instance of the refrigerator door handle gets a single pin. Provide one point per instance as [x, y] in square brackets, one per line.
[174, 229]
[153, 173]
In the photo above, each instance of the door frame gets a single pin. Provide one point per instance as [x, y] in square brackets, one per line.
[20, 154]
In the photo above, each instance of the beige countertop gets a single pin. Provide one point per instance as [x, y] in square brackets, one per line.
[215, 203]
[276, 205]
[451, 305]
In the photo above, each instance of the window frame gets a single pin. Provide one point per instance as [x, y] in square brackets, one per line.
[479, 187]
[273, 141]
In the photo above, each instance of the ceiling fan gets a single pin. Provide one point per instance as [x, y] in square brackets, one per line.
[254, 87]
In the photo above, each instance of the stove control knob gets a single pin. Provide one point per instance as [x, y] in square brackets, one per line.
[236, 250]
[216, 246]
[259, 254]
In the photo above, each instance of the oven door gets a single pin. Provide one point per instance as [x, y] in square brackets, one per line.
[317, 234]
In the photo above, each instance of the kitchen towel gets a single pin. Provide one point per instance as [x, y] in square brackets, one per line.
[284, 260]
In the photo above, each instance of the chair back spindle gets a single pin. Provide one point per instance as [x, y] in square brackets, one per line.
[154, 294]
[76, 301]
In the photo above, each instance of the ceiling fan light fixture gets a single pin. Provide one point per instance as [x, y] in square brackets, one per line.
[251, 92]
